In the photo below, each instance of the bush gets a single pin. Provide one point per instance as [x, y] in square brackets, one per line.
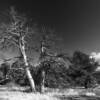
[82, 69]
[55, 74]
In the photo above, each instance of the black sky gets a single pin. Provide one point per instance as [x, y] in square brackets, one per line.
[76, 21]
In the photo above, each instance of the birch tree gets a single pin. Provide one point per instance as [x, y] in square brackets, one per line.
[15, 33]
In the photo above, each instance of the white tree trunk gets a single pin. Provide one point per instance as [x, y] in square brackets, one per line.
[43, 48]
[32, 83]
[43, 81]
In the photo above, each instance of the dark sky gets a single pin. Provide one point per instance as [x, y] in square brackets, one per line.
[76, 21]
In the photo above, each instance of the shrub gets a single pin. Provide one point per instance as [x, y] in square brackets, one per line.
[55, 74]
[82, 69]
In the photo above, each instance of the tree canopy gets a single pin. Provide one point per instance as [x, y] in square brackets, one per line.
[82, 69]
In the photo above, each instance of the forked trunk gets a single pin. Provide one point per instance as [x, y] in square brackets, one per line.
[28, 73]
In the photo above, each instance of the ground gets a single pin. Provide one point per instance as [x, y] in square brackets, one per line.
[14, 92]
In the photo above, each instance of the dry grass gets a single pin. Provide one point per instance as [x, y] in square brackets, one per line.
[7, 95]
[12, 92]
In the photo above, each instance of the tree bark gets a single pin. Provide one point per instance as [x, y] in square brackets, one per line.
[43, 82]
[32, 84]
[42, 57]
[28, 73]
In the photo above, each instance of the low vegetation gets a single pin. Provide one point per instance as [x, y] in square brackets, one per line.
[57, 75]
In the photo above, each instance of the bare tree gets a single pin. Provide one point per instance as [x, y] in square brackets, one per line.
[15, 33]
[48, 40]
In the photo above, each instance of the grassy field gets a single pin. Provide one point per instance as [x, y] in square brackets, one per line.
[14, 92]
